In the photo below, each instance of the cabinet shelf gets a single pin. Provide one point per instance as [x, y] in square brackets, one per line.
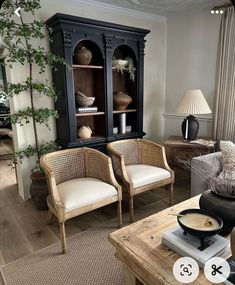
[77, 66]
[81, 114]
[115, 69]
[128, 135]
[124, 111]
[91, 139]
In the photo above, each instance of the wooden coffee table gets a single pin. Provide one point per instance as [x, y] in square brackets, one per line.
[143, 256]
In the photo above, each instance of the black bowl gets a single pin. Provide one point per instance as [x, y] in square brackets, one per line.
[200, 233]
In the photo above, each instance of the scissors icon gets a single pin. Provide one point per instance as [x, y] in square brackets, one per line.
[216, 269]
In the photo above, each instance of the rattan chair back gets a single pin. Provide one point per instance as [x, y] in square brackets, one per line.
[151, 155]
[67, 164]
[129, 149]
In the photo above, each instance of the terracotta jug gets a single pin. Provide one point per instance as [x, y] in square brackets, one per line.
[83, 56]
[121, 100]
[84, 132]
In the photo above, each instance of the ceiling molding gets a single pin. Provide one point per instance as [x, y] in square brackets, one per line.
[122, 11]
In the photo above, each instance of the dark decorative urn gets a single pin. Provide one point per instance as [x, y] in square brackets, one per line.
[224, 207]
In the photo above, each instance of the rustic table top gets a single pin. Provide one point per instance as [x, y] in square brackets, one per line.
[138, 246]
[178, 141]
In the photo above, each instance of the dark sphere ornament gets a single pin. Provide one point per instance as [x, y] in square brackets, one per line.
[193, 127]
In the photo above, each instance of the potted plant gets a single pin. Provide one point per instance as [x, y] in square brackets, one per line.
[125, 64]
[18, 40]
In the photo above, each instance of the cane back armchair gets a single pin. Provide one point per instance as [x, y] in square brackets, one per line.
[80, 180]
[140, 165]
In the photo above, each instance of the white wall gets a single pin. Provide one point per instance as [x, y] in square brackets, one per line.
[192, 42]
[154, 74]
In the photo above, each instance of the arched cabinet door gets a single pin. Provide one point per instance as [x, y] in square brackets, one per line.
[89, 90]
[124, 90]
[103, 60]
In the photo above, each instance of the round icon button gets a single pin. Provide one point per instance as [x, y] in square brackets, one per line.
[217, 270]
[186, 270]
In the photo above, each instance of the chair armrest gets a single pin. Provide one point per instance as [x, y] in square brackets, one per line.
[119, 166]
[58, 204]
[99, 165]
[154, 154]
[203, 168]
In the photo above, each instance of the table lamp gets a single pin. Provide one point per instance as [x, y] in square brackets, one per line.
[192, 103]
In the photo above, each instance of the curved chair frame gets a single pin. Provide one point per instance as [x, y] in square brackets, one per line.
[139, 151]
[89, 163]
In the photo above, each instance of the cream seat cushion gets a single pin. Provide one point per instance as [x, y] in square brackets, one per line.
[81, 192]
[142, 174]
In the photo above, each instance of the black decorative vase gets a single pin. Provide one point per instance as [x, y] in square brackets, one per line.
[193, 127]
[223, 206]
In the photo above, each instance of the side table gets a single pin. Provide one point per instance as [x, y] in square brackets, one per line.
[180, 153]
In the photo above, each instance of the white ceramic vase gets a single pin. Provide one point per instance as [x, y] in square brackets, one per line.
[84, 132]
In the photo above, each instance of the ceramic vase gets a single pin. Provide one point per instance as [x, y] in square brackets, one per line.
[121, 100]
[83, 56]
[84, 132]
[223, 207]
[39, 190]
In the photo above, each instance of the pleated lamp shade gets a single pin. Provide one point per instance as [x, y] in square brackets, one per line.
[193, 102]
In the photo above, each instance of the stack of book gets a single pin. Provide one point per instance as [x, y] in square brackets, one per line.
[87, 109]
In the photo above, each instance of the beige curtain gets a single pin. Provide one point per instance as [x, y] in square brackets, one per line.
[224, 123]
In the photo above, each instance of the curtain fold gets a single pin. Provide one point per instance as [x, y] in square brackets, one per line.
[224, 122]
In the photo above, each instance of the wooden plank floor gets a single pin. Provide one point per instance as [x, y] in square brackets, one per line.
[23, 228]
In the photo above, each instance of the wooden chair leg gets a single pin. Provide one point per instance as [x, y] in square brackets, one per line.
[119, 213]
[49, 217]
[63, 238]
[171, 194]
[131, 209]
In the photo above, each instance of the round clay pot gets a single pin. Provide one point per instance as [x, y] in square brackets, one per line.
[84, 132]
[223, 207]
[83, 56]
[121, 100]
[39, 190]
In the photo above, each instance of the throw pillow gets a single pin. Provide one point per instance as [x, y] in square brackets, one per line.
[228, 154]
[223, 187]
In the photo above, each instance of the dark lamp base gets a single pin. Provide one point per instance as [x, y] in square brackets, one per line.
[193, 127]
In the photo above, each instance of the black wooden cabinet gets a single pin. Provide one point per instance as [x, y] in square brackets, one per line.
[97, 79]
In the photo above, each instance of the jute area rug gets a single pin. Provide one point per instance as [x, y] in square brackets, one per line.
[90, 260]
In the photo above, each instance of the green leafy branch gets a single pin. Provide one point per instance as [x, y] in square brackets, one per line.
[19, 45]
[9, 6]
[39, 87]
[31, 151]
[41, 116]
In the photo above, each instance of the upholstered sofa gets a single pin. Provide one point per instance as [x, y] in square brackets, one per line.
[204, 168]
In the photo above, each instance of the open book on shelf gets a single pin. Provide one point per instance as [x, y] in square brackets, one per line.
[203, 142]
